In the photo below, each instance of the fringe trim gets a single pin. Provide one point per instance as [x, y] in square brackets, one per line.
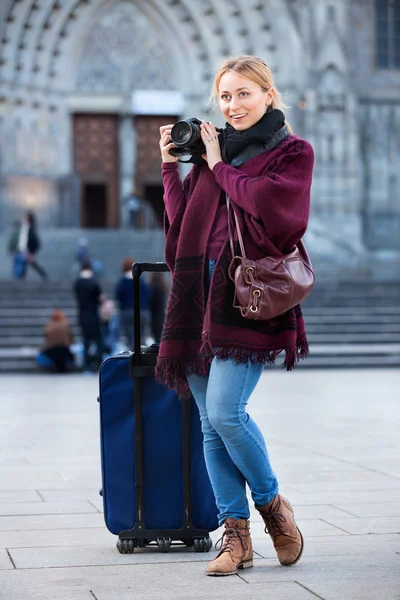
[206, 352]
[267, 357]
[294, 355]
[173, 374]
[242, 355]
[302, 349]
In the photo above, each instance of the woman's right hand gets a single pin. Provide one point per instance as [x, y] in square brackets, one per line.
[166, 144]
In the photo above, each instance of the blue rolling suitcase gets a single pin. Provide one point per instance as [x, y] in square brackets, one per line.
[155, 483]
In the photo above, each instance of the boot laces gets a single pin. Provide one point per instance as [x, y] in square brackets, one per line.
[228, 538]
[273, 522]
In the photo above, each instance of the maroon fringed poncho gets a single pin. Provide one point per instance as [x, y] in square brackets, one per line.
[271, 196]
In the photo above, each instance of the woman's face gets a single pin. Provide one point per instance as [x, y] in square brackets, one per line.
[242, 101]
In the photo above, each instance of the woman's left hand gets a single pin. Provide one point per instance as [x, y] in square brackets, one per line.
[209, 135]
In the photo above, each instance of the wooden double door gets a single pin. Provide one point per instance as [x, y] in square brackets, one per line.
[96, 160]
[97, 163]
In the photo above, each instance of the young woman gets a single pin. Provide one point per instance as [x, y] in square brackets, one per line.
[207, 347]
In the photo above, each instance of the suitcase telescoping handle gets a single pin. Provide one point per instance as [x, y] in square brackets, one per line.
[137, 270]
[187, 526]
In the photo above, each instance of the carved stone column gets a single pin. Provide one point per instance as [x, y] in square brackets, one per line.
[127, 150]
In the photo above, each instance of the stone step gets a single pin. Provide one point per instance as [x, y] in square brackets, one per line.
[355, 349]
[376, 326]
[368, 323]
[339, 340]
[40, 318]
[28, 365]
[354, 310]
[20, 296]
[350, 361]
[30, 330]
[10, 327]
[340, 319]
[16, 316]
[36, 320]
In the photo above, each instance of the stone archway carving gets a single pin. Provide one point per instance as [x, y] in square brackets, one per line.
[124, 52]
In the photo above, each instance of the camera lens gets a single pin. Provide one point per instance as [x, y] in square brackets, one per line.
[181, 133]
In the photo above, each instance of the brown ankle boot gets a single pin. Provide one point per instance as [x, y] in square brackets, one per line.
[236, 549]
[281, 526]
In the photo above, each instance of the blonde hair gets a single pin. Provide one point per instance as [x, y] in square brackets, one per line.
[254, 69]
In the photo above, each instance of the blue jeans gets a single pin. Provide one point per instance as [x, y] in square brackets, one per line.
[234, 447]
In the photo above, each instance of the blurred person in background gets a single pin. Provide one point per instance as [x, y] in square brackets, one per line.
[158, 299]
[82, 251]
[124, 297]
[55, 355]
[18, 258]
[109, 324]
[82, 254]
[29, 245]
[89, 296]
[133, 207]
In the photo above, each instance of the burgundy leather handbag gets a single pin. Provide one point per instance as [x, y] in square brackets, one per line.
[270, 286]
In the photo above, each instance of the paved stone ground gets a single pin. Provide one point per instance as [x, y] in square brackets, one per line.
[334, 442]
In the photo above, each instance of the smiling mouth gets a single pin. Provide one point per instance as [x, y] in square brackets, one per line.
[239, 116]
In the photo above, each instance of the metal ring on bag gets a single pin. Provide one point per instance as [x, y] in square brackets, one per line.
[256, 294]
[249, 270]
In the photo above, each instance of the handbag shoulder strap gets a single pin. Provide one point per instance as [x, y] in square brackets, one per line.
[239, 233]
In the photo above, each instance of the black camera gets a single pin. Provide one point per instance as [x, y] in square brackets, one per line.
[186, 135]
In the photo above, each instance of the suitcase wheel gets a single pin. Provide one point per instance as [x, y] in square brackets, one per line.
[202, 544]
[126, 546]
[164, 544]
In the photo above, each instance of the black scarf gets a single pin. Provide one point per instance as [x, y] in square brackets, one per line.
[233, 142]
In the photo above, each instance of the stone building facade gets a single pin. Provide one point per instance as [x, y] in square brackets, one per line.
[85, 85]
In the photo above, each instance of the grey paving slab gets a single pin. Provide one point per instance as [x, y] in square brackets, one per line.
[69, 494]
[143, 582]
[45, 508]
[360, 588]
[345, 497]
[51, 522]
[378, 545]
[12, 461]
[309, 528]
[385, 484]
[101, 555]
[256, 591]
[5, 561]
[320, 511]
[388, 465]
[323, 568]
[368, 525]
[58, 482]
[372, 509]
[293, 476]
[90, 536]
[20, 496]
[97, 502]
